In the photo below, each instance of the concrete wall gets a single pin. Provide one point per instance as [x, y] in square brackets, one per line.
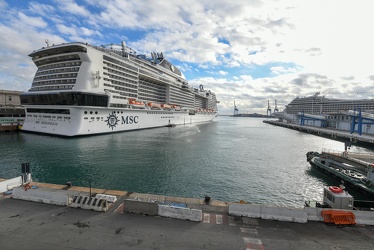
[50, 196]
[269, 213]
[180, 213]
[364, 217]
[292, 214]
[140, 207]
[314, 213]
[10, 184]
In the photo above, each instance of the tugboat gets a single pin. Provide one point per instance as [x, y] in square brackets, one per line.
[351, 175]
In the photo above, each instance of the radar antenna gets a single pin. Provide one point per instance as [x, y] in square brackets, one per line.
[47, 42]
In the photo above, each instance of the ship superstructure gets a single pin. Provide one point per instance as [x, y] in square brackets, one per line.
[81, 89]
[317, 104]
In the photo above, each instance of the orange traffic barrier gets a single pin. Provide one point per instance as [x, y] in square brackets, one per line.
[338, 217]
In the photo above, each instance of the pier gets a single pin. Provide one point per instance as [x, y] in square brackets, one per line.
[129, 223]
[364, 140]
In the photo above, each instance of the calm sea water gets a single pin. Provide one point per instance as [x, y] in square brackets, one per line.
[229, 159]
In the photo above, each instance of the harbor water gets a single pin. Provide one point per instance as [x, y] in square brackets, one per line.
[229, 159]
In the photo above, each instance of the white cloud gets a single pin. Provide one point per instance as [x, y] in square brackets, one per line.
[290, 47]
[37, 22]
[70, 6]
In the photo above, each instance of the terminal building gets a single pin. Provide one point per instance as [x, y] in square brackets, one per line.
[12, 114]
[341, 114]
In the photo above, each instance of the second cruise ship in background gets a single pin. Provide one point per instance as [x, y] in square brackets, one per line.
[321, 105]
[80, 89]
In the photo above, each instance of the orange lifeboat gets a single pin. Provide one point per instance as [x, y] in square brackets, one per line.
[165, 106]
[153, 105]
[336, 189]
[176, 107]
[136, 103]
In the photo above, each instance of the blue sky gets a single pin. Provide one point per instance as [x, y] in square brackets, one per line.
[244, 51]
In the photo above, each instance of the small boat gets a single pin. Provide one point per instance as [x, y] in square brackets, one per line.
[339, 170]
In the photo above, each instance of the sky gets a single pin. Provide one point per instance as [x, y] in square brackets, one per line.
[250, 52]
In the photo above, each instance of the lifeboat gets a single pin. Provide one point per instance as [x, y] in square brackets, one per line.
[165, 106]
[176, 107]
[336, 189]
[153, 105]
[135, 103]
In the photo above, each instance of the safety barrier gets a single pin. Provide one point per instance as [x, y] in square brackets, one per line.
[49, 196]
[140, 207]
[89, 203]
[107, 197]
[247, 210]
[338, 217]
[364, 217]
[178, 212]
[10, 184]
[265, 212]
[314, 213]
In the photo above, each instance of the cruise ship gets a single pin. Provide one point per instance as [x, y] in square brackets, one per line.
[321, 105]
[81, 89]
[317, 104]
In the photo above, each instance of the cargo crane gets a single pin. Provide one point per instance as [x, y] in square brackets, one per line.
[268, 111]
[236, 110]
[276, 107]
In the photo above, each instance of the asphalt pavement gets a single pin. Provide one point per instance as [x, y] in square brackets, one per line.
[30, 225]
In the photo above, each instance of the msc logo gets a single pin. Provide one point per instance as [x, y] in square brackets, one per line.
[112, 120]
[130, 119]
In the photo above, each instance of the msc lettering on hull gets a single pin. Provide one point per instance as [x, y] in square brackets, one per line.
[130, 119]
[113, 120]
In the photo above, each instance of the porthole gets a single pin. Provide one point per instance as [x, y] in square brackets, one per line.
[91, 112]
[85, 112]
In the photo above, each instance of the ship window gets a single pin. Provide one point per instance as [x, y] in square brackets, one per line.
[51, 111]
[76, 99]
[91, 112]
[85, 112]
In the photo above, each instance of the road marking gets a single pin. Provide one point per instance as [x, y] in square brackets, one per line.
[119, 209]
[206, 218]
[249, 230]
[253, 241]
[218, 219]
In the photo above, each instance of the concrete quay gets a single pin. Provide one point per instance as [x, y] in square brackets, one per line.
[26, 224]
[364, 140]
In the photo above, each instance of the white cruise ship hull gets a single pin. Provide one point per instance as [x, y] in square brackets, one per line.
[81, 89]
[106, 120]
